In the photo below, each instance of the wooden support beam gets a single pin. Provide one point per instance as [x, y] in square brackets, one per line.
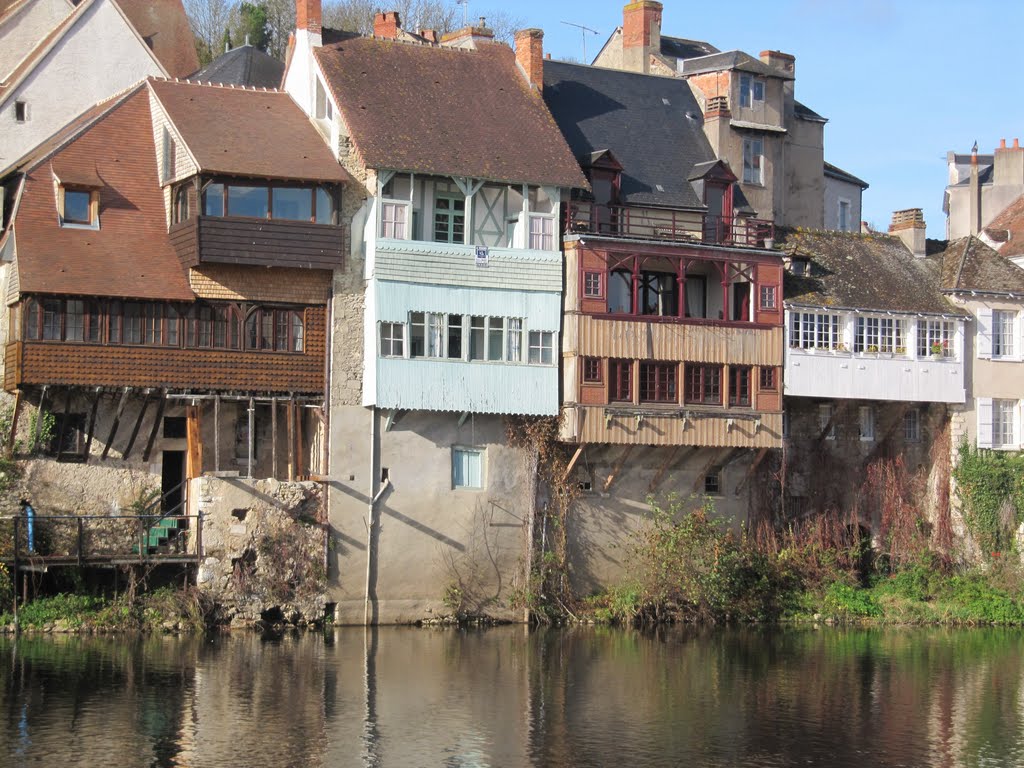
[252, 437]
[194, 441]
[157, 421]
[300, 460]
[573, 460]
[290, 411]
[138, 424]
[117, 422]
[39, 421]
[92, 422]
[273, 437]
[617, 468]
[18, 400]
[63, 424]
[758, 458]
[462, 417]
[716, 456]
[216, 433]
[660, 474]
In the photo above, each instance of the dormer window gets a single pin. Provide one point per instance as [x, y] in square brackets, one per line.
[79, 206]
[751, 91]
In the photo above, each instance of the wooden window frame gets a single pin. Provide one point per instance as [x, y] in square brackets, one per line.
[599, 277]
[592, 370]
[620, 381]
[702, 383]
[92, 221]
[330, 190]
[740, 394]
[659, 382]
[768, 379]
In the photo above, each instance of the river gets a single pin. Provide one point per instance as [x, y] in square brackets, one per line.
[511, 696]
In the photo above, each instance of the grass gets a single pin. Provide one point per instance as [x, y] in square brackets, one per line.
[149, 612]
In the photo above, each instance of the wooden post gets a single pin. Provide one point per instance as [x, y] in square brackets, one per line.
[161, 404]
[273, 437]
[573, 460]
[92, 422]
[138, 424]
[14, 423]
[63, 424]
[300, 464]
[216, 433]
[252, 435]
[194, 440]
[656, 481]
[291, 439]
[617, 468]
[39, 421]
[117, 421]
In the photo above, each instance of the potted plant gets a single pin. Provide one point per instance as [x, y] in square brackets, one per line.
[840, 348]
[939, 350]
[900, 350]
[871, 349]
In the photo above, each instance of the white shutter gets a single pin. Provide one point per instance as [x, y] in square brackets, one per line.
[1018, 322]
[983, 335]
[984, 408]
[1018, 437]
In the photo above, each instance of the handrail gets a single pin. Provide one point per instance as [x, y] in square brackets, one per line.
[667, 225]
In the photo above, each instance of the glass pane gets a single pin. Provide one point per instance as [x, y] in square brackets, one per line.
[76, 206]
[293, 203]
[324, 206]
[247, 201]
[495, 336]
[75, 321]
[467, 469]
[476, 338]
[298, 338]
[455, 336]
[213, 200]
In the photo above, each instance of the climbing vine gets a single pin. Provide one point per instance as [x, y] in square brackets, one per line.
[990, 486]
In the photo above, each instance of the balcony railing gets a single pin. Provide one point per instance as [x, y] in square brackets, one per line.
[258, 242]
[674, 226]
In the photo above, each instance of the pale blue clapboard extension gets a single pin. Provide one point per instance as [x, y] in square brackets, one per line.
[540, 311]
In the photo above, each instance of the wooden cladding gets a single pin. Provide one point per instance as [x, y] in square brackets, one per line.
[259, 243]
[70, 364]
[600, 424]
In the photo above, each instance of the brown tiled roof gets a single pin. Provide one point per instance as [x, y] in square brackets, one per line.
[1009, 226]
[970, 265]
[446, 111]
[854, 271]
[130, 254]
[247, 132]
[165, 27]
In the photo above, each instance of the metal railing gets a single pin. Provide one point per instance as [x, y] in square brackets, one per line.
[667, 225]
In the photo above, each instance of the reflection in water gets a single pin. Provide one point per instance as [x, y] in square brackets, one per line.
[514, 697]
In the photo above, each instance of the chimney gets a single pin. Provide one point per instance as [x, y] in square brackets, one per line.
[974, 195]
[386, 25]
[1008, 165]
[430, 35]
[908, 226]
[469, 37]
[309, 16]
[641, 34]
[530, 56]
[779, 60]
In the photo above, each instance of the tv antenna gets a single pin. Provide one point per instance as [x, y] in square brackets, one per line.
[465, 11]
[583, 31]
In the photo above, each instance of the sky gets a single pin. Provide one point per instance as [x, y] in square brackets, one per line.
[901, 82]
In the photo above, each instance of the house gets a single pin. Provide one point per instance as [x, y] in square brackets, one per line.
[774, 143]
[94, 52]
[843, 195]
[244, 65]
[980, 187]
[876, 358]
[1005, 233]
[672, 331]
[455, 324]
[979, 281]
[167, 278]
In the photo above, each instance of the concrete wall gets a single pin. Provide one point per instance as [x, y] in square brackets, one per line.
[24, 29]
[836, 190]
[805, 177]
[100, 56]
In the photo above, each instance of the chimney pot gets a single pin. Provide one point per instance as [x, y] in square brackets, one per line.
[1002, 143]
[530, 56]
[1016, 144]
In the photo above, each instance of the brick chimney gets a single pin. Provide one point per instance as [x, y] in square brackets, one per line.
[641, 34]
[430, 35]
[469, 37]
[309, 16]
[779, 60]
[1008, 165]
[530, 56]
[386, 25]
[908, 226]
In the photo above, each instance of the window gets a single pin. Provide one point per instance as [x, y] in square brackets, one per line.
[170, 152]
[704, 384]
[620, 292]
[713, 482]
[255, 200]
[1004, 413]
[880, 334]
[912, 426]
[935, 337]
[78, 207]
[449, 218]
[769, 297]
[542, 232]
[658, 294]
[69, 436]
[455, 337]
[247, 201]
[467, 468]
[392, 339]
[593, 285]
[426, 334]
[180, 210]
[620, 379]
[393, 217]
[592, 372]
[753, 161]
[1003, 327]
[739, 385]
[542, 347]
[21, 113]
[751, 91]
[769, 381]
[810, 330]
[658, 383]
[826, 420]
[514, 343]
[844, 216]
[266, 329]
[322, 107]
[867, 423]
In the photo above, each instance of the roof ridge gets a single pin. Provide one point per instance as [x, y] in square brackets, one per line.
[211, 84]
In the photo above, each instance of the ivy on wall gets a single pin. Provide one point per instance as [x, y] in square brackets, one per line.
[990, 485]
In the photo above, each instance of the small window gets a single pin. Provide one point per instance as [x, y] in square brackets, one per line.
[769, 381]
[704, 384]
[713, 482]
[769, 297]
[1004, 330]
[542, 233]
[181, 208]
[592, 373]
[78, 206]
[21, 111]
[620, 377]
[867, 423]
[323, 108]
[844, 216]
[468, 468]
[170, 152]
[392, 339]
[753, 161]
[174, 428]
[912, 426]
[593, 285]
[213, 200]
[739, 385]
[658, 383]
[392, 220]
[542, 347]
[825, 420]
[751, 91]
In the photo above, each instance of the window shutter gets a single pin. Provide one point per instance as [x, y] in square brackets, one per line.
[1018, 438]
[984, 334]
[984, 408]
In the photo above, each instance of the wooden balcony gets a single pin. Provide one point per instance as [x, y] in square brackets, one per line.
[258, 243]
[667, 225]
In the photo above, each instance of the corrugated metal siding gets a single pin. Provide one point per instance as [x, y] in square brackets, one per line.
[422, 262]
[640, 340]
[541, 311]
[438, 385]
[712, 431]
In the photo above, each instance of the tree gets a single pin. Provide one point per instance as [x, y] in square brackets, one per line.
[249, 23]
[439, 15]
[210, 20]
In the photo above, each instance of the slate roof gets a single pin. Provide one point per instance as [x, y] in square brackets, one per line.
[453, 112]
[1008, 227]
[681, 48]
[838, 173]
[245, 65]
[804, 112]
[651, 124]
[247, 132]
[984, 176]
[968, 264]
[130, 255]
[853, 271]
[732, 60]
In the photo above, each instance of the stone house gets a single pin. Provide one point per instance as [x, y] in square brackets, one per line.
[981, 187]
[844, 193]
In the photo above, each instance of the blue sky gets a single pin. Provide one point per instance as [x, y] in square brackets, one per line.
[901, 82]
